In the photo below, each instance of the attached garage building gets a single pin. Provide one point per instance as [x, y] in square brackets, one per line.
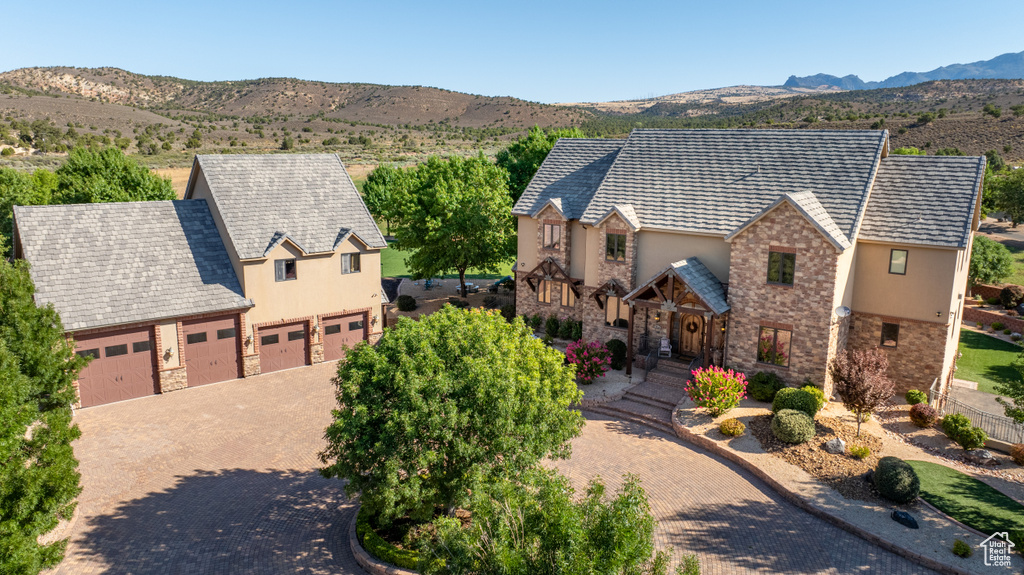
[134, 284]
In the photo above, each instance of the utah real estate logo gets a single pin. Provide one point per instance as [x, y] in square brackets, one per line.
[997, 549]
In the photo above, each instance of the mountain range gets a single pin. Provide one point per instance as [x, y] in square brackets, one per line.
[1006, 66]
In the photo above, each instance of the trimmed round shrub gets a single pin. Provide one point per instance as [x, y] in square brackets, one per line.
[406, 303]
[915, 396]
[618, 349]
[551, 327]
[792, 426]
[1017, 453]
[1011, 295]
[798, 399]
[819, 395]
[962, 549]
[565, 329]
[971, 438]
[954, 423]
[923, 415]
[535, 321]
[764, 385]
[732, 427]
[896, 480]
[508, 311]
[997, 326]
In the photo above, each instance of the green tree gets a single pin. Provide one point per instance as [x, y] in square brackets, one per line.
[39, 480]
[991, 262]
[909, 151]
[441, 406]
[1008, 190]
[455, 214]
[20, 189]
[108, 175]
[1014, 390]
[994, 162]
[536, 527]
[991, 110]
[949, 152]
[523, 157]
[384, 187]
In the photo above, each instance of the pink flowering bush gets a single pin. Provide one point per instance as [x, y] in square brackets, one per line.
[591, 359]
[716, 390]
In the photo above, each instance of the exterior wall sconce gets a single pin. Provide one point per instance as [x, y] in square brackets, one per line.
[375, 319]
[168, 353]
[316, 329]
[248, 340]
[657, 316]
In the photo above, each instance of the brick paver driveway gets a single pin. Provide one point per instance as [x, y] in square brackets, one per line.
[221, 479]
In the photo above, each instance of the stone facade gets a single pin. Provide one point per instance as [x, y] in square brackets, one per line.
[594, 328]
[316, 352]
[526, 298]
[250, 365]
[919, 354]
[173, 379]
[805, 308]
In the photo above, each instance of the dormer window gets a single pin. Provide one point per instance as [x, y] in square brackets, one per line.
[349, 263]
[284, 270]
[552, 236]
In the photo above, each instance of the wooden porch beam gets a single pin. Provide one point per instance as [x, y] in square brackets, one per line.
[629, 342]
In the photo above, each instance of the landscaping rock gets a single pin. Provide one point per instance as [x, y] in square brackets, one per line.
[982, 457]
[904, 518]
[835, 445]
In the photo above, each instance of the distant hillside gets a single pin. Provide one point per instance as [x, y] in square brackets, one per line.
[1006, 66]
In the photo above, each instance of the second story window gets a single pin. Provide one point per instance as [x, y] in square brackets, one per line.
[552, 237]
[898, 262]
[615, 248]
[781, 267]
[349, 263]
[284, 270]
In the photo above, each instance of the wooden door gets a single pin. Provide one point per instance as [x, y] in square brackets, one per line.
[691, 334]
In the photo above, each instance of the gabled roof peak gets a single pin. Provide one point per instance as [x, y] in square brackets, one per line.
[808, 205]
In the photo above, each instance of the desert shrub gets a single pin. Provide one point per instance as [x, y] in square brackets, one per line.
[332, 141]
[992, 301]
[458, 302]
[915, 396]
[618, 351]
[406, 303]
[953, 423]
[959, 429]
[732, 427]
[7, 152]
[565, 329]
[798, 399]
[923, 415]
[1011, 295]
[792, 426]
[860, 451]
[591, 359]
[1007, 331]
[764, 385]
[1017, 453]
[551, 327]
[962, 549]
[816, 392]
[508, 311]
[535, 321]
[896, 480]
[376, 545]
[997, 326]
[716, 389]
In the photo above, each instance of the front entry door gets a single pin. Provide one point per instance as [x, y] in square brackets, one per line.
[691, 334]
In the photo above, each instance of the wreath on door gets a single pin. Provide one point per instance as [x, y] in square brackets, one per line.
[691, 326]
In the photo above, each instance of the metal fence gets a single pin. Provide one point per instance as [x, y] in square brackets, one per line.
[997, 427]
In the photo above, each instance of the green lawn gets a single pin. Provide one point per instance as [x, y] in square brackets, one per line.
[1018, 263]
[392, 263]
[986, 360]
[968, 500]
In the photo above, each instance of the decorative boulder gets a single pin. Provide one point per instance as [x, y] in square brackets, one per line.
[904, 518]
[835, 445]
[981, 457]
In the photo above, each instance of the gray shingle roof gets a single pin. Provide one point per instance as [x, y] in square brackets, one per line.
[807, 204]
[711, 181]
[699, 278]
[928, 200]
[572, 171]
[118, 263]
[626, 212]
[307, 197]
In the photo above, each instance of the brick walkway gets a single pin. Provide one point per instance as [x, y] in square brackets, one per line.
[221, 479]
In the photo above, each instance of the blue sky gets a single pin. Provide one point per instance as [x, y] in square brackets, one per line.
[546, 51]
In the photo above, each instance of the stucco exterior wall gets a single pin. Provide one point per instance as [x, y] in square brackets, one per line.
[527, 244]
[319, 288]
[659, 249]
[168, 340]
[804, 308]
[925, 293]
[578, 250]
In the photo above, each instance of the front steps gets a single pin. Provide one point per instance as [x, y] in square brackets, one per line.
[646, 403]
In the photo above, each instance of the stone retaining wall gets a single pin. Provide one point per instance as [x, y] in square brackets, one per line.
[988, 317]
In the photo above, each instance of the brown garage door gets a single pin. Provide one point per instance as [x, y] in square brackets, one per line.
[282, 347]
[342, 333]
[122, 366]
[211, 350]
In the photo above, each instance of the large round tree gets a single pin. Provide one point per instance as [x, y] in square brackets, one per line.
[444, 405]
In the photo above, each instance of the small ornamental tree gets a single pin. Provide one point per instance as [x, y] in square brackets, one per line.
[716, 389]
[592, 359]
[442, 406]
[861, 381]
[1013, 390]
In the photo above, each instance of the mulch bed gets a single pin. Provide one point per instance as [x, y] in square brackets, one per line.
[842, 472]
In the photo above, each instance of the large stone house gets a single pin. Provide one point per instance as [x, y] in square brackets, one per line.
[762, 250]
[270, 262]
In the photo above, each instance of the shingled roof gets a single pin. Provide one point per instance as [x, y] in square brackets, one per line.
[571, 172]
[264, 199]
[119, 263]
[927, 200]
[698, 278]
[711, 181]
